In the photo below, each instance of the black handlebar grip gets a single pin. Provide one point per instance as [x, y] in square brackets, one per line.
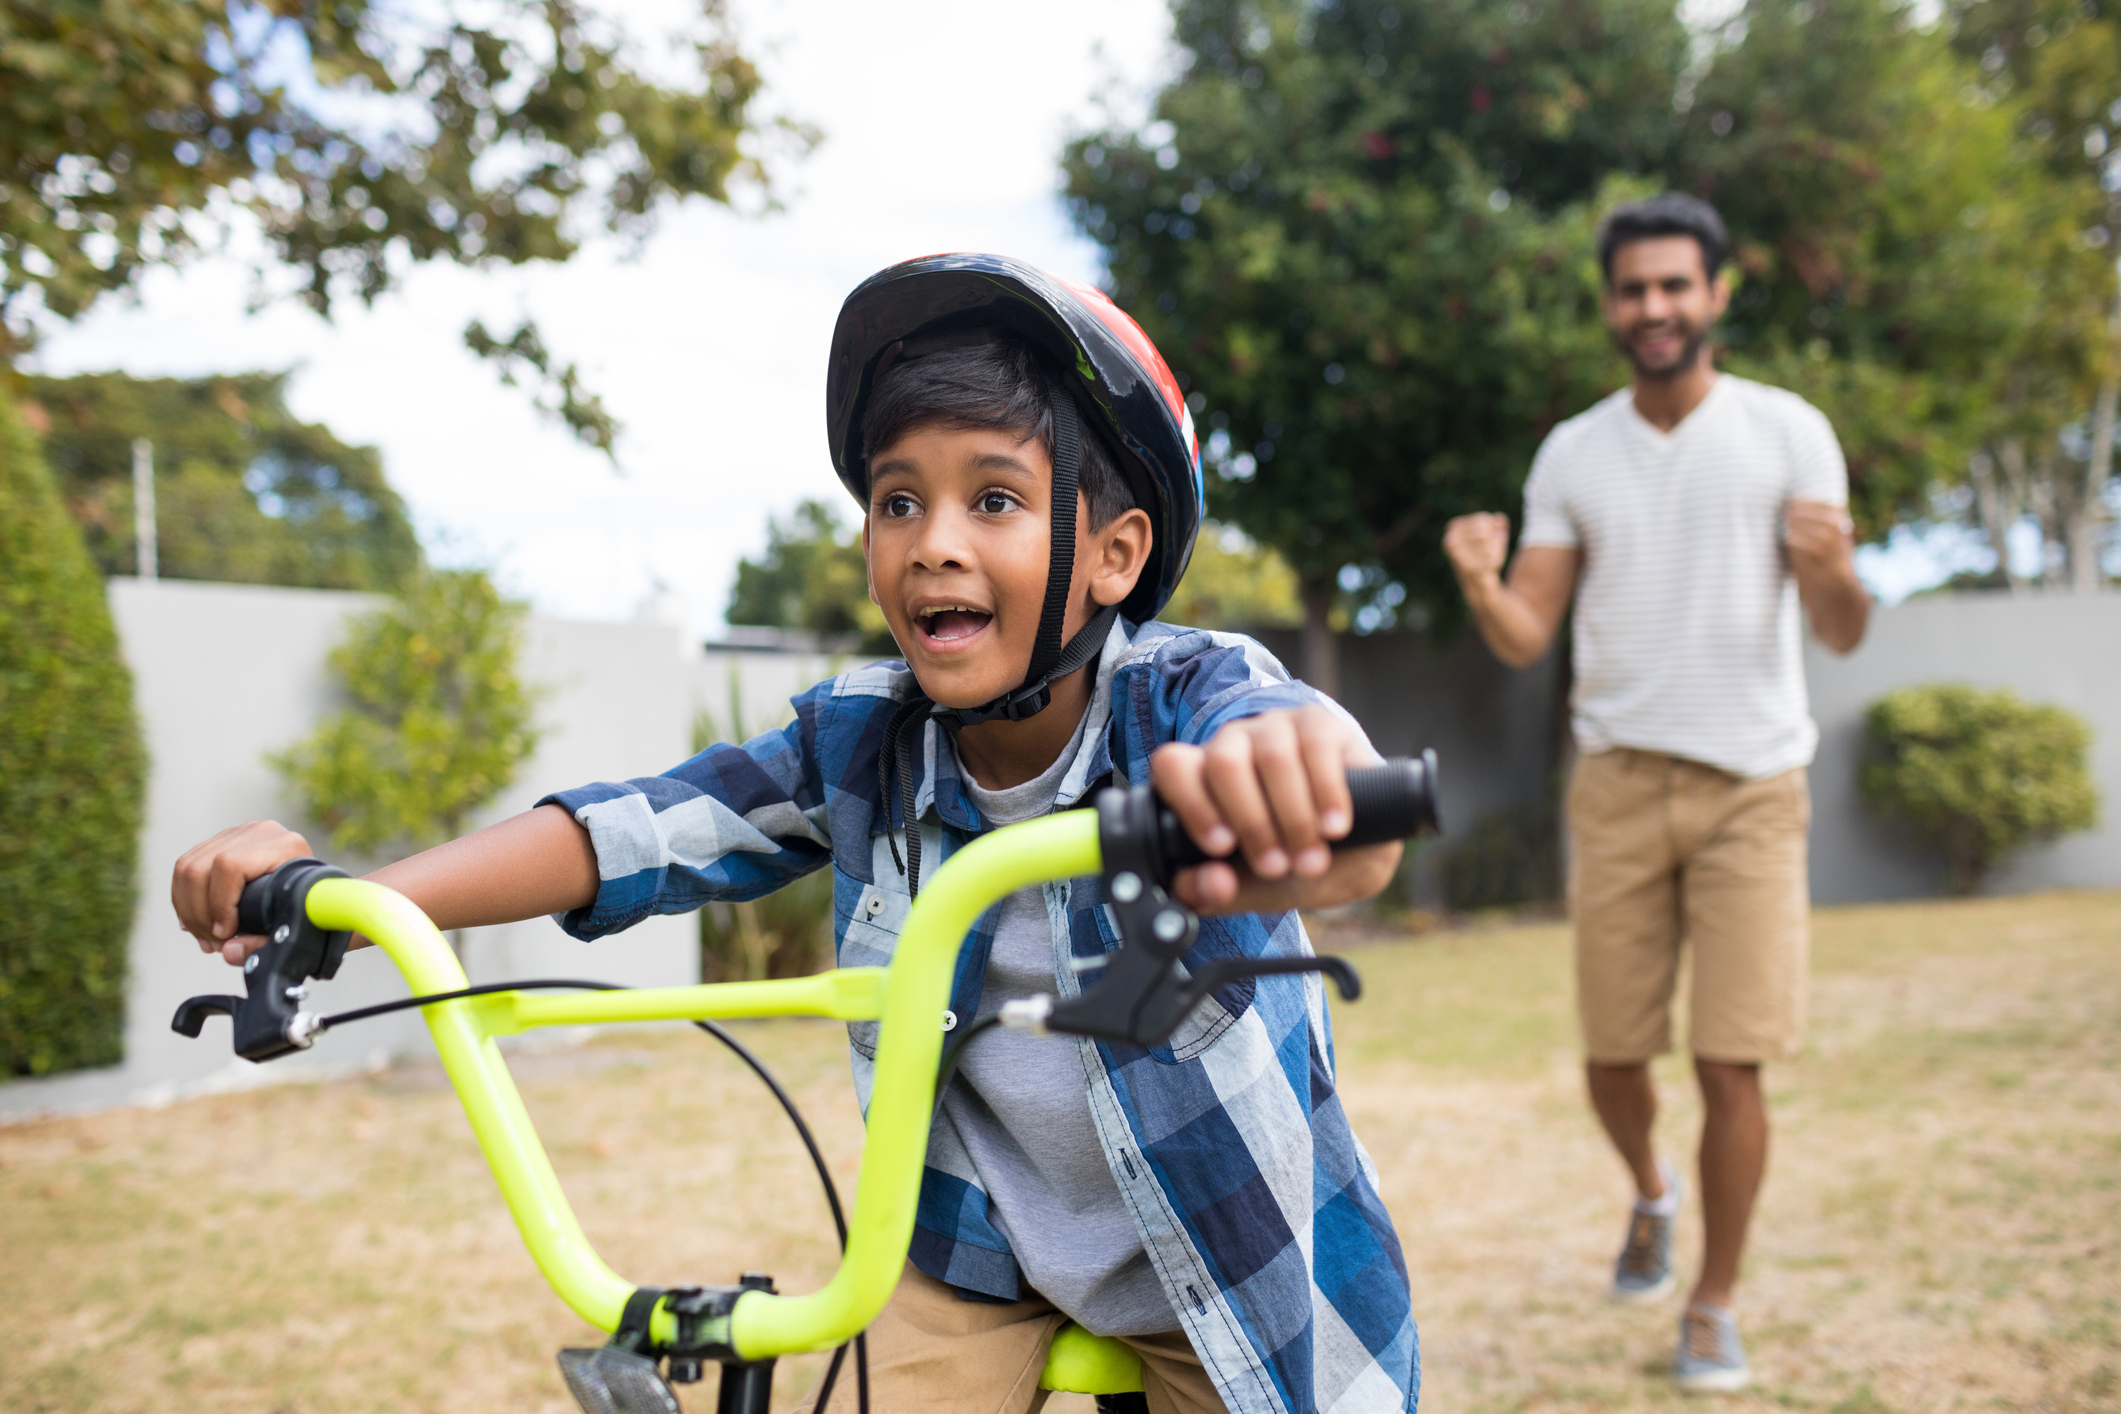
[1395, 801]
[253, 907]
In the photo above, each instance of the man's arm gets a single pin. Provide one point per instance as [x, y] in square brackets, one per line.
[1518, 619]
[1822, 549]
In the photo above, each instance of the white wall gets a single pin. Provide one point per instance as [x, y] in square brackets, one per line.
[2063, 649]
[225, 673]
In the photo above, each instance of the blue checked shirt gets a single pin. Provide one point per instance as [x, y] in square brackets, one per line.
[1254, 1199]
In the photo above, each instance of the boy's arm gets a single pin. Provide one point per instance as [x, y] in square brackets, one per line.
[527, 866]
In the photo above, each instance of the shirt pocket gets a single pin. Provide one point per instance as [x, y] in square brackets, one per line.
[867, 920]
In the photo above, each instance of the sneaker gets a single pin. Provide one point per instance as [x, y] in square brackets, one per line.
[1711, 1357]
[1643, 1271]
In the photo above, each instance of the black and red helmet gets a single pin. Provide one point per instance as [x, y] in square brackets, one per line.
[1121, 385]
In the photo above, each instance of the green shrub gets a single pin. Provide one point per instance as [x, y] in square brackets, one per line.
[1977, 774]
[788, 933]
[438, 725]
[72, 776]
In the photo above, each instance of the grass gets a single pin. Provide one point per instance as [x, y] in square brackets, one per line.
[1939, 1231]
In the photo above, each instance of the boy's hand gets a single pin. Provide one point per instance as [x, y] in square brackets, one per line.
[1275, 787]
[210, 878]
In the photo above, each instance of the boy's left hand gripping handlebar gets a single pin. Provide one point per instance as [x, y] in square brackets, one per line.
[268, 1020]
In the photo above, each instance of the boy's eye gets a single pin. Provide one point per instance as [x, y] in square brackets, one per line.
[994, 503]
[897, 506]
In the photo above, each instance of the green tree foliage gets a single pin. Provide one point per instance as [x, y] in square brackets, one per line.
[1906, 265]
[1234, 583]
[360, 138]
[1360, 233]
[812, 577]
[438, 721]
[1977, 774]
[244, 492]
[75, 772]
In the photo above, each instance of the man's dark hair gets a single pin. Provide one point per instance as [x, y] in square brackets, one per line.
[1000, 385]
[1672, 214]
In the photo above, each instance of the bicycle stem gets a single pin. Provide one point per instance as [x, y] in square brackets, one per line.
[909, 999]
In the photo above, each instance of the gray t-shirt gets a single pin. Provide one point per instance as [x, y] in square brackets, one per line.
[1022, 1107]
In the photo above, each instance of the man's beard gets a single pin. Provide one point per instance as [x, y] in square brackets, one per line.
[1697, 338]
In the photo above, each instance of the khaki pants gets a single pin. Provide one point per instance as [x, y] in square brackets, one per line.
[932, 1353]
[1665, 852]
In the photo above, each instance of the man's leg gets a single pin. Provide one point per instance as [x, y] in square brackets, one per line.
[1747, 920]
[1734, 1142]
[1623, 897]
[1626, 1101]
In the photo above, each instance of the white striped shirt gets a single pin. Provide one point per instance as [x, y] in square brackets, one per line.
[1686, 613]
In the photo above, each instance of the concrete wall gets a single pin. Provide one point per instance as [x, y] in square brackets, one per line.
[1495, 730]
[225, 673]
[2062, 649]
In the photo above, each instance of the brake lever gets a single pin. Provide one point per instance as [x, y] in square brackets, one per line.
[267, 1021]
[1140, 998]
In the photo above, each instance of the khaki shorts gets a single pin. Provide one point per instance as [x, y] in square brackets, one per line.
[1663, 852]
[932, 1353]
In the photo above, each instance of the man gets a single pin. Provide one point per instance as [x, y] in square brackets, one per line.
[1682, 508]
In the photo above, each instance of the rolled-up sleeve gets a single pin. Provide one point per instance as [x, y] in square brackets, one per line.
[732, 823]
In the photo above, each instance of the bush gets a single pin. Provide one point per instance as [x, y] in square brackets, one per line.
[1977, 774]
[439, 720]
[788, 933]
[74, 770]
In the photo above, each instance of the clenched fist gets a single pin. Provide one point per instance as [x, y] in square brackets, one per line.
[1820, 536]
[1478, 545]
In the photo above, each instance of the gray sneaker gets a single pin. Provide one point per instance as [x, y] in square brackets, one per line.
[1643, 1271]
[1711, 1357]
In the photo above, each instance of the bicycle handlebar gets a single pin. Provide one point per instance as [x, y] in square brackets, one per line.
[308, 910]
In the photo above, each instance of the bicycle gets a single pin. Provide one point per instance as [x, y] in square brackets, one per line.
[308, 911]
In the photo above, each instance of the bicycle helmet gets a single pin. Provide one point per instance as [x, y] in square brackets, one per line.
[1112, 384]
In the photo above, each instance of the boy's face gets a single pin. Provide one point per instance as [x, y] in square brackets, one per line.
[959, 540]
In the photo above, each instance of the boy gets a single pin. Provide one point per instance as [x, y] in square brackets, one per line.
[1031, 489]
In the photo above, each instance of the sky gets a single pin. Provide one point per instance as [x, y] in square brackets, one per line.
[943, 124]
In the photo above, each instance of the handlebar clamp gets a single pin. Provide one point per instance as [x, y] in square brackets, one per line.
[267, 1022]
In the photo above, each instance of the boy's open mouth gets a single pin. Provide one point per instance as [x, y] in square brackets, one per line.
[951, 623]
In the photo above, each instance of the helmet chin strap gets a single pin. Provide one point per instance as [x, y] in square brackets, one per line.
[1051, 660]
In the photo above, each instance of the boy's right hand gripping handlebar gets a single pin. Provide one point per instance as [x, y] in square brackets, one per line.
[1141, 994]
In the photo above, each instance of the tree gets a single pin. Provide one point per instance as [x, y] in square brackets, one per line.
[1904, 262]
[2057, 65]
[1234, 583]
[360, 138]
[1360, 232]
[812, 577]
[245, 492]
[75, 768]
[438, 724]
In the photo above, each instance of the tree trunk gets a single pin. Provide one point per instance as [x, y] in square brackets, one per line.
[1321, 649]
[2081, 533]
[2000, 499]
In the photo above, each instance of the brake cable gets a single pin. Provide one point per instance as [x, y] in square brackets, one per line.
[743, 1053]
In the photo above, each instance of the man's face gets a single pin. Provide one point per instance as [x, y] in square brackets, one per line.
[959, 538]
[1660, 304]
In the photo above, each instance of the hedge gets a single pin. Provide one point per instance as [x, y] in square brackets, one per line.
[72, 777]
[1976, 774]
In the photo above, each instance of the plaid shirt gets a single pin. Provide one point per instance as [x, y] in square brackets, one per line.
[1254, 1199]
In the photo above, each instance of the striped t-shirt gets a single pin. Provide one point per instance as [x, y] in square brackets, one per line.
[1686, 614]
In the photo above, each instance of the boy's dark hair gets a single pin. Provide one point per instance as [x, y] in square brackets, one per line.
[1672, 214]
[998, 384]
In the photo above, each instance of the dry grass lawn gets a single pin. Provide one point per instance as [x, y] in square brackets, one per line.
[1939, 1232]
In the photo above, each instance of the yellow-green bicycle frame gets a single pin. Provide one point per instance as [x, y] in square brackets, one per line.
[908, 997]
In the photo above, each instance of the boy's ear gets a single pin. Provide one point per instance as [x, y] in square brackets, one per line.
[1117, 555]
[869, 573]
